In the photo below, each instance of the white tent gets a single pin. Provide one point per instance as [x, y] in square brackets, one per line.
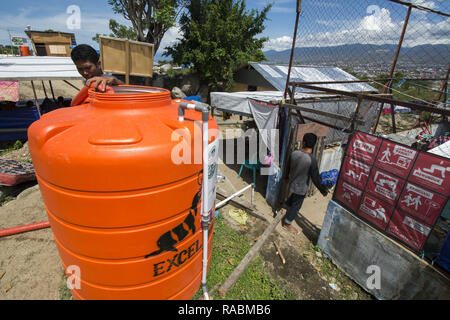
[38, 68]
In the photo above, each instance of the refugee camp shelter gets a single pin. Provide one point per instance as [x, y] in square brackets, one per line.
[270, 80]
[268, 77]
[14, 123]
[51, 43]
[265, 85]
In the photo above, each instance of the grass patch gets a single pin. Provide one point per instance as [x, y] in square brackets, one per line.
[11, 146]
[255, 283]
[64, 291]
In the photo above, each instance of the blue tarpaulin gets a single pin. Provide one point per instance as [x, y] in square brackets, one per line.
[21, 118]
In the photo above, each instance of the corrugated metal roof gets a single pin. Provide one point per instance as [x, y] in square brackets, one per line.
[277, 75]
[37, 68]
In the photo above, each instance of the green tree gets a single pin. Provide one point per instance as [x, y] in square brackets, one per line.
[150, 19]
[119, 31]
[218, 37]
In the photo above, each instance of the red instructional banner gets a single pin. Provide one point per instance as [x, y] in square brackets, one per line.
[421, 203]
[385, 186]
[347, 194]
[408, 229]
[395, 158]
[375, 211]
[364, 147]
[355, 172]
[432, 172]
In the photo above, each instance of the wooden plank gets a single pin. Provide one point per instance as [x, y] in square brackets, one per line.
[76, 88]
[126, 57]
[414, 106]
[321, 112]
[231, 280]
[301, 129]
[36, 99]
[127, 62]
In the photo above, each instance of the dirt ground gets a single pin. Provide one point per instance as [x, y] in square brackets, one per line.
[60, 88]
[30, 267]
[301, 272]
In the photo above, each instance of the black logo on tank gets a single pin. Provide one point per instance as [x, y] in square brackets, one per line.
[167, 242]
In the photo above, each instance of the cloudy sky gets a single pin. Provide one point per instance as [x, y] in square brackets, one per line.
[322, 22]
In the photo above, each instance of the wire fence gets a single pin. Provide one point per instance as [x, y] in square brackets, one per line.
[362, 36]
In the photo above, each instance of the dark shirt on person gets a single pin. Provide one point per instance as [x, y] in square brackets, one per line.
[304, 167]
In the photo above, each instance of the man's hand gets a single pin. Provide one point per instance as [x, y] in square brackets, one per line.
[104, 80]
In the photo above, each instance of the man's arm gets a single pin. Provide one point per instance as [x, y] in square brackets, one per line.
[315, 176]
[104, 80]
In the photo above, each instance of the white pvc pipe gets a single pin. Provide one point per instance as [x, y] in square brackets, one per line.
[205, 212]
[223, 202]
[204, 204]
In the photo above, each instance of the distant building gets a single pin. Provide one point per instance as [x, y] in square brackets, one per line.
[51, 43]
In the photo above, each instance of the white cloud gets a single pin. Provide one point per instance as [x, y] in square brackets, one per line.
[377, 27]
[170, 37]
[378, 20]
[424, 3]
[278, 44]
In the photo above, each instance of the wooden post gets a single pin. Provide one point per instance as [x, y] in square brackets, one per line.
[51, 88]
[127, 62]
[231, 280]
[389, 83]
[394, 129]
[36, 99]
[45, 91]
[71, 85]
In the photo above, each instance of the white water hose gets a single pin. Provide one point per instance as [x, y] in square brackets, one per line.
[204, 204]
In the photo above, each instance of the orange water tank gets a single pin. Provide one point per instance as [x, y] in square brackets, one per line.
[125, 217]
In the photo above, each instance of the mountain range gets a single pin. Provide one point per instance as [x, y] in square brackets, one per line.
[363, 54]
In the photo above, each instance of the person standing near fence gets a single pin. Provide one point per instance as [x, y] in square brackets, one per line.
[303, 167]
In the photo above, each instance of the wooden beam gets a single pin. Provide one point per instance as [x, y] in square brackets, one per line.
[231, 280]
[51, 89]
[322, 113]
[71, 85]
[36, 99]
[415, 106]
[127, 62]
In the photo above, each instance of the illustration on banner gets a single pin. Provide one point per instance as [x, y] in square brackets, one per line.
[370, 207]
[429, 173]
[385, 185]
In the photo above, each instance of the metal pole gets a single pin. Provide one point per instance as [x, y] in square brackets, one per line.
[292, 49]
[405, 24]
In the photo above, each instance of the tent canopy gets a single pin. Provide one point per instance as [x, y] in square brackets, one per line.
[38, 68]
[276, 75]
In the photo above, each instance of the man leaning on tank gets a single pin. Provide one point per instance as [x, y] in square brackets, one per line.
[89, 65]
